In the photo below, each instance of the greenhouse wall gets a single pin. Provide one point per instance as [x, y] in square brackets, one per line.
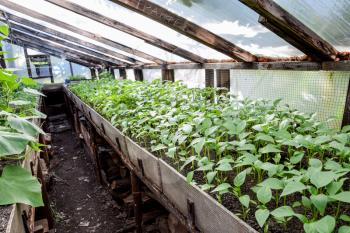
[81, 70]
[151, 74]
[19, 64]
[320, 92]
[130, 74]
[191, 77]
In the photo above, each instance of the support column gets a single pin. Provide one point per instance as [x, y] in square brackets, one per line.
[138, 74]
[93, 74]
[27, 62]
[2, 59]
[137, 195]
[168, 75]
[209, 78]
[71, 69]
[122, 73]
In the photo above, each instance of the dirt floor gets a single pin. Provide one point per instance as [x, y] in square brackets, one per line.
[79, 203]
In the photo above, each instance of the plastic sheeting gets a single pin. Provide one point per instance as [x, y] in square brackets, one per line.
[318, 92]
[328, 18]
[191, 78]
[14, 51]
[233, 21]
[130, 74]
[151, 74]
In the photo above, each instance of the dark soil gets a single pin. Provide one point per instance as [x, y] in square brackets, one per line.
[80, 204]
[5, 212]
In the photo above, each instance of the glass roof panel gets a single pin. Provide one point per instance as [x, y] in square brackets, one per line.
[233, 21]
[330, 19]
[147, 25]
[91, 26]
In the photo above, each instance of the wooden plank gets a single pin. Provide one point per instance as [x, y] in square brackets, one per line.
[53, 52]
[138, 74]
[20, 29]
[130, 30]
[69, 27]
[168, 75]
[346, 115]
[57, 47]
[292, 30]
[180, 24]
[42, 28]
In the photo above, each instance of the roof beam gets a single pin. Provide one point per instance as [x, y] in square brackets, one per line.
[130, 30]
[51, 52]
[42, 28]
[292, 30]
[69, 27]
[57, 47]
[183, 26]
[18, 28]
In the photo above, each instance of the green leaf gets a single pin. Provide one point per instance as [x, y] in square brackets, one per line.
[240, 178]
[292, 187]
[261, 215]
[343, 197]
[33, 91]
[344, 229]
[321, 179]
[211, 176]
[246, 147]
[198, 146]
[264, 137]
[29, 82]
[297, 157]
[345, 217]
[187, 129]
[13, 143]
[4, 29]
[282, 212]
[244, 200]
[188, 161]
[345, 129]
[306, 202]
[272, 183]
[189, 177]
[316, 163]
[324, 225]
[269, 148]
[222, 187]
[264, 195]
[17, 185]
[158, 147]
[335, 186]
[24, 126]
[206, 187]
[320, 202]
[224, 167]
[19, 102]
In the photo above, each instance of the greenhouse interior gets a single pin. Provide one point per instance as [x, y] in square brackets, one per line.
[174, 116]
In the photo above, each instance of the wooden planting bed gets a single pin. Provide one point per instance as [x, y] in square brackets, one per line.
[194, 208]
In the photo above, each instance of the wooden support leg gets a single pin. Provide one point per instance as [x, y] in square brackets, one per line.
[137, 195]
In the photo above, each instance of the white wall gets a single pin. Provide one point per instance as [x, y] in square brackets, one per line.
[193, 78]
[151, 74]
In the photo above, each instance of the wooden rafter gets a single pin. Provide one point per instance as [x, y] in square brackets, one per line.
[292, 30]
[183, 26]
[19, 28]
[59, 48]
[130, 30]
[51, 52]
[18, 20]
[69, 27]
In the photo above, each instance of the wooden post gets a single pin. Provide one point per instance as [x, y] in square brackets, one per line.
[138, 74]
[168, 75]
[209, 78]
[223, 78]
[29, 69]
[93, 74]
[50, 69]
[122, 73]
[346, 116]
[71, 69]
[2, 59]
[137, 195]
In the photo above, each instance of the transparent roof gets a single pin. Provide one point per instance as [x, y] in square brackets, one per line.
[233, 21]
[330, 19]
[149, 26]
[92, 26]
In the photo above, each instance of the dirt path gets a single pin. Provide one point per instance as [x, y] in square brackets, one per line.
[79, 203]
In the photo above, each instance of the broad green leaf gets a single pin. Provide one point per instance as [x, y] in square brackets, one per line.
[264, 194]
[264, 137]
[207, 167]
[33, 91]
[171, 152]
[316, 163]
[320, 202]
[211, 176]
[206, 187]
[324, 225]
[17, 185]
[297, 157]
[261, 127]
[282, 212]
[245, 147]
[345, 129]
[272, 183]
[211, 130]
[198, 147]
[335, 186]
[332, 165]
[4, 29]
[322, 139]
[343, 197]
[344, 229]
[19, 102]
[188, 161]
[244, 200]
[13, 143]
[158, 147]
[187, 129]
[189, 177]
[240, 178]
[24, 126]
[261, 215]
[306, 202]
[224, 167]
[29, 82]
[321, 179]
[345, 217]
[269, 148]
[293, 187]
[222, 187]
